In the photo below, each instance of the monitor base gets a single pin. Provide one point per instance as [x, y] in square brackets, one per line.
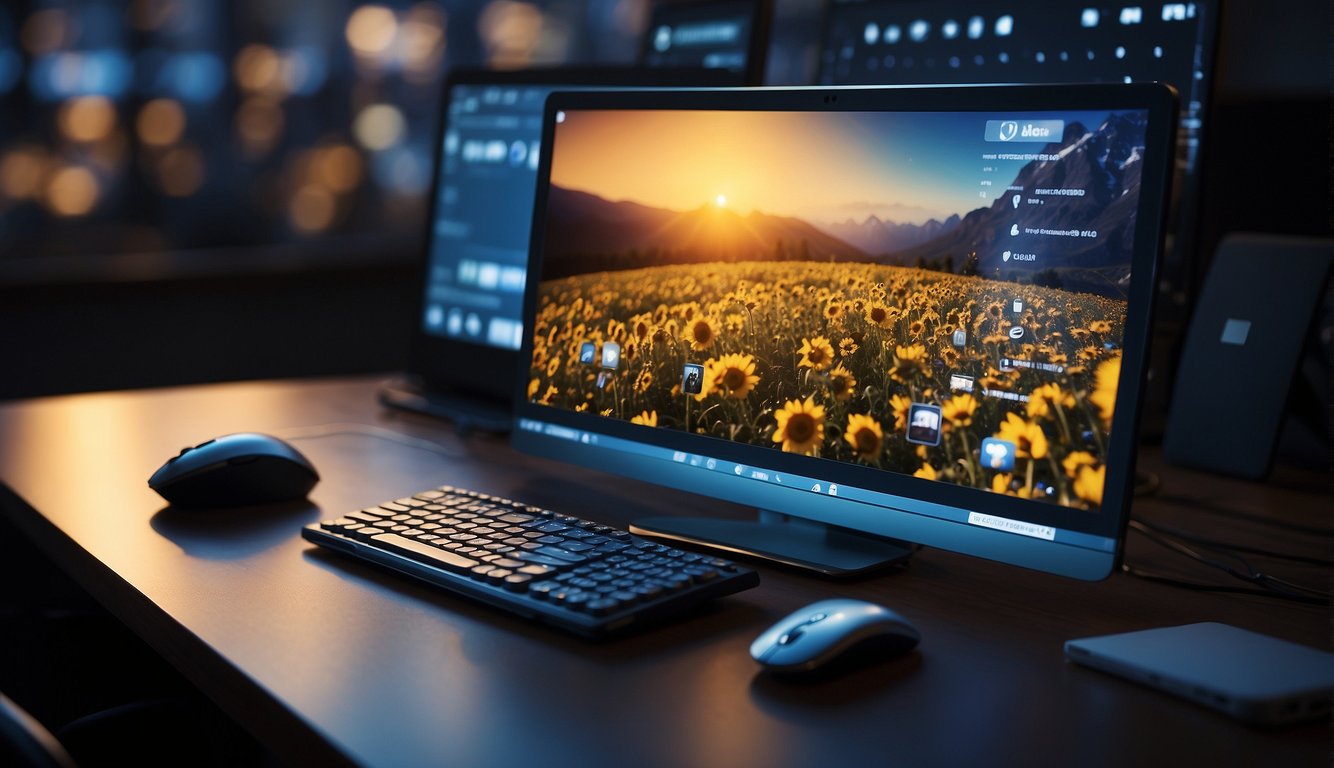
[802, 544]
[466, 412]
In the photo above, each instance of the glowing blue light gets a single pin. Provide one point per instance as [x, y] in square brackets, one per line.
[310, 70]
[1004, 26]
[950, 29]
[976, 26]
[871, 33]
[106, 72]
[196, 77]
[893, 33]
[918, 30]
[1089, 18]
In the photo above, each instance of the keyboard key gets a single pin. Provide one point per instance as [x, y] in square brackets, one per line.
[434, 555]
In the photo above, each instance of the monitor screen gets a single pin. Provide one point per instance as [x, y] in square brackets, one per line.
[714, 34]
[899, 42]
[918, 312]
[477, 255]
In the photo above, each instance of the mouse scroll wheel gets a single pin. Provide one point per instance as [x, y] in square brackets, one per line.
[790, 635]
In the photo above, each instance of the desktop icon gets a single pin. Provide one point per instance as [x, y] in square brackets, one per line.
[588, 353]
[1016, 332]
[960, 337]
[960, 381]
[815, 488]
[924, 424]
[1006, 364]
[711, 464]
[1005, 256]
[604, 378]
[998, 454]
[833, 489]
[1018, 305]
[611, 354]
[692, 379]
[1014, 230]
[1015, 200]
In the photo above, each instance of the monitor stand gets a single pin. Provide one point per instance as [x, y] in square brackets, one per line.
[466, 411]
[795, 542]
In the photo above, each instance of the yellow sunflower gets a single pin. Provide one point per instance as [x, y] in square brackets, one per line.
[865, 437]
[1089, 482]
[816, 354]
[1104, 390]
[908, 361]
[700, 333]
[901, 405]
[800, 427]
[1027, 437]
[1072, 463]
[958, 410]
[880, 315]
[841, 382]
[926, 472]
[1044, 401]
[734, 375]
[647, 418]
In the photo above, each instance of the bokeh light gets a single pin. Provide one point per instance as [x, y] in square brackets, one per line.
[72, 191]
[160, 122]
[312, 209]
[379, 126]
[371, 30]
[21, 172]
[87, 118]
[511, 31]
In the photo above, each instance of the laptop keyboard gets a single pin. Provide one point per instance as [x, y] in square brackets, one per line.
[577, 574]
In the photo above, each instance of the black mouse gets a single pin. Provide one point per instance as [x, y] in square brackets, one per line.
[233, 471]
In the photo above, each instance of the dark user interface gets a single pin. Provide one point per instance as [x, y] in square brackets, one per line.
[1050, 41]
[482, 214]
[713, 36]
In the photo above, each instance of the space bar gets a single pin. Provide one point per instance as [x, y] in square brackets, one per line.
[436, 556]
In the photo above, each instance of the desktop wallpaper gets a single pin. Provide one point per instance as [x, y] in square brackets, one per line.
[905, 291]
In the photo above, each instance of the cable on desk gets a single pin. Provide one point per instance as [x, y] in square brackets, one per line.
[1269, 585]
[335, 429]
[1230, 547]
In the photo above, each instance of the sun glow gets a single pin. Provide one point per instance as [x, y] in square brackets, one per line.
[720, 201]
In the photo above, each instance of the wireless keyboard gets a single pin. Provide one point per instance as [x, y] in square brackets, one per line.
[576, 574]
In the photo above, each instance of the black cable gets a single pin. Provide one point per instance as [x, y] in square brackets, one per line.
[1197, 586]
[1271, 586]
[1231, 547]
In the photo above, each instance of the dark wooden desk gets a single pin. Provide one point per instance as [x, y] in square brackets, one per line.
[326, 659]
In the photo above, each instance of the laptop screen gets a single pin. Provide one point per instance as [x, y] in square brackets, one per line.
[939, 309]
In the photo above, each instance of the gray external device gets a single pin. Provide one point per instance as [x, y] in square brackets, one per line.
[1246, 675]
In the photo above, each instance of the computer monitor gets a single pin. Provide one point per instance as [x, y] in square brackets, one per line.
[732, 35]
[900, 42]
[476, 240]
[708, 309]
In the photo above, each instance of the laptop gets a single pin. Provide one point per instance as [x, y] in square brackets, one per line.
[468, 329]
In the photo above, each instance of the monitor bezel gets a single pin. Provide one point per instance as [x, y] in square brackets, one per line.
[1160, 103]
